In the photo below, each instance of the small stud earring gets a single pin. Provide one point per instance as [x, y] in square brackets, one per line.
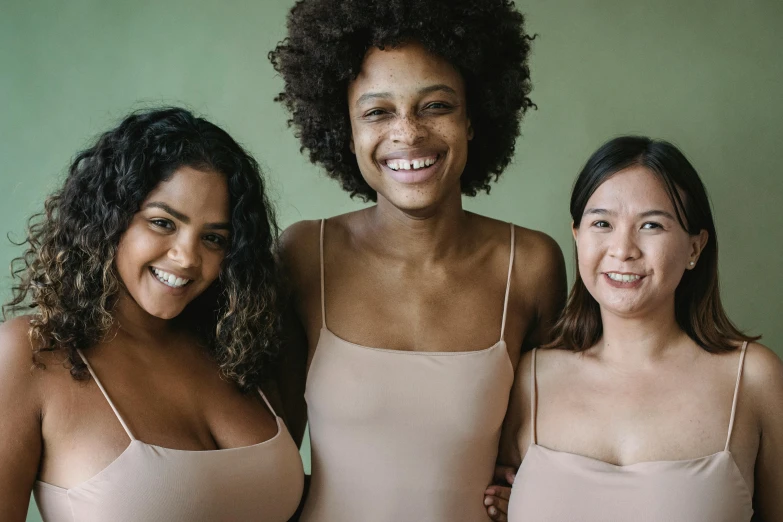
[692, 263]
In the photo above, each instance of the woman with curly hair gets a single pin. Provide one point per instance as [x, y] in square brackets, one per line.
[153, 305]
[409, 357]
[678, 414]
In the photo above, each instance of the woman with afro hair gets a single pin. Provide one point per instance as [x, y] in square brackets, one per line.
[414, 312]
[129, 391]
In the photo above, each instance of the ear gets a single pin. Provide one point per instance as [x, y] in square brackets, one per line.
[470, 130]
[574, 231]
[351, 145]
[698, 242]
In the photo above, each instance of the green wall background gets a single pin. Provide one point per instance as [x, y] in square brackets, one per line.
[705, 74]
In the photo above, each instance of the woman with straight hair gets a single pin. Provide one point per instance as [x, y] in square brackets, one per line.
[649, 404]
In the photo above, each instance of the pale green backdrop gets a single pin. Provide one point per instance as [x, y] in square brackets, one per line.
[706, 74]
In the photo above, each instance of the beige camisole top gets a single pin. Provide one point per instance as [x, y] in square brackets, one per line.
[402, 436]
[262, 482]
[558, 486]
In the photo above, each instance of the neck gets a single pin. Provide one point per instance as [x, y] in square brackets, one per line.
[429, 234]
[133, 321]
[640, 340]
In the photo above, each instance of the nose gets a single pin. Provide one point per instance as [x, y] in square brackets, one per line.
[185, 251]
[408, 130]
[624, 246]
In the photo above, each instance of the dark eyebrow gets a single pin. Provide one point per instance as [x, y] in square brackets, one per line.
[439, 87]
[372, 96]
[597, 211]
[179, 215]
[646, 214]
[652, 213]
[426, 90]
[185, 219]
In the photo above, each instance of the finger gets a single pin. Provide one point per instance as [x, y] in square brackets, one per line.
[496, 506]
[501, 492]
[504, 474]
[496, 514]
[501, 505]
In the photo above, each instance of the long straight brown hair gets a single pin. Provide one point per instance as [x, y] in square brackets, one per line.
[697, 305]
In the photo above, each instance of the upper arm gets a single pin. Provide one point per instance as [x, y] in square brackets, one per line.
[20, 420]
[545, 276]
[298, 246]
[513, 437]
[764, 375]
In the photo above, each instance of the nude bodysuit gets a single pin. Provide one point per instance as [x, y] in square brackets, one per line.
[558, 486]
[401, 436]
[146, 483]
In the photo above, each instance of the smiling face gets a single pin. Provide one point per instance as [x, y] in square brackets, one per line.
[632, 250]
[410, 128]
[174, 246]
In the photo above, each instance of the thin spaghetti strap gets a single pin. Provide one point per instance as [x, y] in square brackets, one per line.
[508, 284]
[266, 401]
[103, 391]
[323, 298]
[736, 394]
[533, 398]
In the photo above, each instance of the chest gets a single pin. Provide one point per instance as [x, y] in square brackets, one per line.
[552, 485]
[448, 308]
[667, 418]
[178, 408]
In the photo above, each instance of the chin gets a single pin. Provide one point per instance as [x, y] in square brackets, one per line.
[414, 198]
[165, 314]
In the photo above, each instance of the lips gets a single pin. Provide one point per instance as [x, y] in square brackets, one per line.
[169, 279]
[623, 280]
[411, 167]
[412, 164]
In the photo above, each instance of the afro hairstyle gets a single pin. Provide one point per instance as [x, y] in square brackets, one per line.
[326, 44]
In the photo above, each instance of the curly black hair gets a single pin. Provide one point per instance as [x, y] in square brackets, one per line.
[67, 274]
[328, 39]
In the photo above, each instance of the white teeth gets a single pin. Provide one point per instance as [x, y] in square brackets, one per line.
[170, 279]
[623, 278]
[413, 164]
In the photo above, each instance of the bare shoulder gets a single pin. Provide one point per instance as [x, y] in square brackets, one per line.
[18, 376]
[299, 241]
[533, 250]
[554, 363]
[539, 255]
[550, 364]
[763, 378]
[16, 352]
[15, 349]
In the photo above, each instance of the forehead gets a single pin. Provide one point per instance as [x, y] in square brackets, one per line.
[633, 190]
[402, 70]
[197, 193]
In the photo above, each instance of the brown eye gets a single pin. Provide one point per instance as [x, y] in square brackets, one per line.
[217, 240]
[162, 223]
